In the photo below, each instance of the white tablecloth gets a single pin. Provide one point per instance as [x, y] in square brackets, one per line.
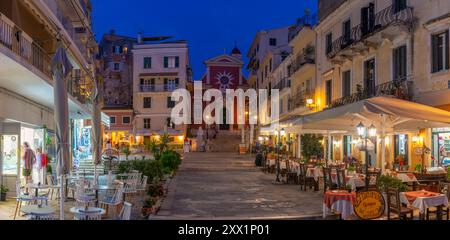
[422, 203]
[342, 206]
[314, 172]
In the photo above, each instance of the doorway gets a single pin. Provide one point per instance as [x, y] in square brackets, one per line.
[369, 77]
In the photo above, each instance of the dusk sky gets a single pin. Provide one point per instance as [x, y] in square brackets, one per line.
[210, 26]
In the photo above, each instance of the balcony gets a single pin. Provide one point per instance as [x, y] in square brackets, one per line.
[27, 62]
[299, 99]
[401, 89]
[387, 23]
[303, 58]
[283, 84]
[150, 88]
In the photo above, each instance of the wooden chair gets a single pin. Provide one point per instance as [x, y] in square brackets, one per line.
[445, 189]
[341, 183]
[291, 174]
[327, 180]
[307, 181]
[395, 205]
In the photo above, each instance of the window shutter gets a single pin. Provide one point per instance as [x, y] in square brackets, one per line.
[177, 62]
[165, 81]
[177, 81]
[447, 63]
[364, 12]
[435, 54]
[166, 62]
[152, 81]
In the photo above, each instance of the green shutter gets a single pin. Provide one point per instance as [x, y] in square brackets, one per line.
[435, 55]
[166, 62]
[447, 63]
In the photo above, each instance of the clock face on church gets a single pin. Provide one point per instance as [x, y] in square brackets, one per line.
[224, 80]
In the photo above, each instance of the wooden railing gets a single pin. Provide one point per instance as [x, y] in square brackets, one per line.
[386, 17]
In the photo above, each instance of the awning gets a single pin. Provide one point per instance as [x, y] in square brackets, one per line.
[399, 115]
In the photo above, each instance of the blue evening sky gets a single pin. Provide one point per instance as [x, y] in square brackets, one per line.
[210, 26]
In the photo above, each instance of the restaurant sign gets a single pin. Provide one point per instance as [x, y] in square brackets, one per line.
[369, 205]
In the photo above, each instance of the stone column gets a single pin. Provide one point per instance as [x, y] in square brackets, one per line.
[299, 146]
[330, 145]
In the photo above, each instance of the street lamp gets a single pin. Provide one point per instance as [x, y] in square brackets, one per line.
[280, 133]
[369, 134]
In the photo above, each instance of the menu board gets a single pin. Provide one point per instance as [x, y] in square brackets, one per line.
[369, 205]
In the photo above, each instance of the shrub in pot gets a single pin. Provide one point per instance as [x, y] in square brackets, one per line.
[3, 191]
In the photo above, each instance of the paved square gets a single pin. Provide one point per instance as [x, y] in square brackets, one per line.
[229, 186]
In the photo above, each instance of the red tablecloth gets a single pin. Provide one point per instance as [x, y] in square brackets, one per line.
[332, 196]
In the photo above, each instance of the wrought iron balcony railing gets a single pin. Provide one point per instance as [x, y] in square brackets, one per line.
[299, 99]
[159, 87]
[303, 58]
[399, 88]
[387, 17]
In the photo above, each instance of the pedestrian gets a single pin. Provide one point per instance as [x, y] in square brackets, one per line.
[28, 159]
[41, 159]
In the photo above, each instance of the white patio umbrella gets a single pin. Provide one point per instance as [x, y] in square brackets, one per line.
[97, 144]
[61, 67]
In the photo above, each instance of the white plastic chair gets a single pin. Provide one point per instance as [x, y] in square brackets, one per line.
[125, 213]
[114, 201]
[52, 186]
[21, 197]
[88, 216]
[37, 216]
[82, 195]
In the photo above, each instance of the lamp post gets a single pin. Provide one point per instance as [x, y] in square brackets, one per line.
[367, 134]
[280, 133]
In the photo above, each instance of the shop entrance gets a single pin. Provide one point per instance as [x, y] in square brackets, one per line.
[10, 156]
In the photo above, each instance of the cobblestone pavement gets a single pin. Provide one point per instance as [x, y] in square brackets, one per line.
[229, 186]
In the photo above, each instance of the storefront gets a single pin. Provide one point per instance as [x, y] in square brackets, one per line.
[441, 146]
[13, 137]
[81, 142]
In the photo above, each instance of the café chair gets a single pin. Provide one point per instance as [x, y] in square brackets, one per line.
[115, 201]
[445, 189]
[341, 183]
[306, 181]
[327, 180]
[20, 198]
[125, 213]
[395, 206]
[52, 184]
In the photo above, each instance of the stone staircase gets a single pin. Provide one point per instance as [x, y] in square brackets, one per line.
[88, 166]
[225, 141]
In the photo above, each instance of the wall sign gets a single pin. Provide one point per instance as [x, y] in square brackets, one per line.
[369, 205]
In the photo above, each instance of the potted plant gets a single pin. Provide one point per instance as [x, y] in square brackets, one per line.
[348, 187]
[418, 168]
[3, 191]
[351, 169]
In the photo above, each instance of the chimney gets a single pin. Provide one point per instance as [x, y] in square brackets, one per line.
[139, 37]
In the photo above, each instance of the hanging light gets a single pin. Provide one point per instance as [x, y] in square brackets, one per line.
[283, 132]
[372, 131]
[361, 129]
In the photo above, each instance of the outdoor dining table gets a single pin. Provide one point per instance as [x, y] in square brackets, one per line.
[37, 210]
[339, 201]
[98, 188]
[315, 172]
[405, 177]
[37, 187]
[423, 200]
[86, 211]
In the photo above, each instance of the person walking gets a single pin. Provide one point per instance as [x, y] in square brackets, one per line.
[28, 159]
[41, 159]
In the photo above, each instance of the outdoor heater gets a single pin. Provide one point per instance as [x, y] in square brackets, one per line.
[367, 134]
